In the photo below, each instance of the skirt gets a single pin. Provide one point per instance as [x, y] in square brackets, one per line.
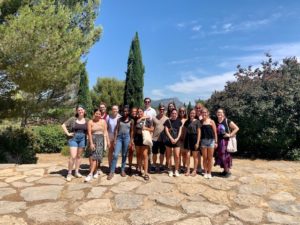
[97, 154]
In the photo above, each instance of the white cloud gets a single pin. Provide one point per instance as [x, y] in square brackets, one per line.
[227, 27]
[180, 25]
[196, 28]
[157, 94]
[201, 87]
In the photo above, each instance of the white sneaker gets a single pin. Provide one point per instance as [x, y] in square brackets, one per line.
[205, 175]
[69, 177]
[95, 176]
[99, 172]
[78, 175]
[177, 173]
[88, 178]
[209, 176]
[170, 173]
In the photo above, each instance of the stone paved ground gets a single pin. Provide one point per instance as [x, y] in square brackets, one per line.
[259, 192]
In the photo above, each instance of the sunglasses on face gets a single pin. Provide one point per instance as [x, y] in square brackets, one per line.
[146, 101]
[161, 109]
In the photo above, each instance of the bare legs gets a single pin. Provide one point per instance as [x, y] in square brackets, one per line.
[176, 152]
[207, 154]
[75, 158]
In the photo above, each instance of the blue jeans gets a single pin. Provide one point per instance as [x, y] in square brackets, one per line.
[121, 145]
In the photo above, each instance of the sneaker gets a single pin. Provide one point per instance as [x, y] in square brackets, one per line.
[110, 176]
[88, 178]
[69, 177]
[95, 176]
[99, 172]
[78, 175]
[227, 174]
[177, 173]
[161, 169]
[209, 176]
[152, 169]
[170, 173]
[205, 175]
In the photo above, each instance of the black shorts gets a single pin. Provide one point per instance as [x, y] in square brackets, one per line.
[138, 140]
[158, 146]
[190, 141]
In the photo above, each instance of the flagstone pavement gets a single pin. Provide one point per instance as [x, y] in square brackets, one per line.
[258, 192]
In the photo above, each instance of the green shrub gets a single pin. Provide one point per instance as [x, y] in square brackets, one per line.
[18, 145]
[65, 151]
[50, 138]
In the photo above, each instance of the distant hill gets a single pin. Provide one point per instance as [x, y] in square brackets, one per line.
[166, 101]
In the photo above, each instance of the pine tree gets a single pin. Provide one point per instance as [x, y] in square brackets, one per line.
[84, 96]
[134, 84]
[189, 107]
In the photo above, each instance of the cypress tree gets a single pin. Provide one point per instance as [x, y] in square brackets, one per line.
[134, 84]
[84, 96]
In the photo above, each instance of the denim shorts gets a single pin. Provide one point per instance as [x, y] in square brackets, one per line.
[207, 143]
[79, 140]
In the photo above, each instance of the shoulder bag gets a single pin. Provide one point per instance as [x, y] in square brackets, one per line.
[232, 143]
[147, 139]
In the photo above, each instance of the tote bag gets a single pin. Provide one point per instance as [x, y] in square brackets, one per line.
[147, 138]
[232, 143]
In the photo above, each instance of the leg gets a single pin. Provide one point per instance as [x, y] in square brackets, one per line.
[177, 158]
[139, 158]
[125, 145]
[78, 160]
[187, 156]
[199, 163]
[204, 154]
[210, 153]
[195, 157]
[130, 155]
[145, 158]
[110, 153]
[72, 159]
[115, 156]
[168, 157]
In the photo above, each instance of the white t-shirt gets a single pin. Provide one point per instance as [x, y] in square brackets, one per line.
[111, 126]
[150, 112]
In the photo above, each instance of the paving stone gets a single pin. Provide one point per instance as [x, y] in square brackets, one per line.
[11, 220]
[79, 186]
[251, 215]
[129, 201]
[51, 180]
[7, 165]
[257, 189]
[115, 180]
[247, 200]
[216, 196]
[20, 184]
[49, 192]
[268, 176]
[193, 221]
[100, 220]
[170, 199]
[221, 184]
[191, 189]
[75, 195]
[292, 208]
[14, 178]
[31, 179]
[7, 207]
[53, 212]
[155, 188]
[96, 192]
[6, 191]
[35, 172]
[282, 219]
[233, 221]
[204, 208]
[156, 214]
[125, 187]
[3, 184]
[6, 172]
[95, 206]
[283, 197]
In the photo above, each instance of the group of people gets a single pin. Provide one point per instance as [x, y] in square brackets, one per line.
[176, 136]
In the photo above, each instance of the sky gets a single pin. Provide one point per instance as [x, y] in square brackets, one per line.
[191, 48]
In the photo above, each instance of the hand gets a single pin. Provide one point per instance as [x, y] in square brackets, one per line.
[226, 135]
[92, 146]
[196, 146]
[144, 128]
[70, 134]
[173, 141]
[108, 144]
[216, 145]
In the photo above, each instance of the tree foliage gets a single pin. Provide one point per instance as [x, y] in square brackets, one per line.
[265, 104]
[84, 96]
[108, 90]
[134, 84]
[41, 45]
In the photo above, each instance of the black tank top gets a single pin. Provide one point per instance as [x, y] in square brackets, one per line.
[207, 132]
[80, 128]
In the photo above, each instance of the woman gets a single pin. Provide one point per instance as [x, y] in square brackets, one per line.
[209, 142]
[173, 127]
[97, 133]
[111, 126]
[192, 133]
[122, 139]
[198, 109]
[133, 115]
[142, 150]
[182, 157]
[224, 125]
[76, 129]
[171, 106]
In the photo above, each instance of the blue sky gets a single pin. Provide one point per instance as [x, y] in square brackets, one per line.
[191, 48]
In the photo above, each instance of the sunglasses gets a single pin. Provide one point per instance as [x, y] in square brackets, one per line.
[161, 109]
[146, 101]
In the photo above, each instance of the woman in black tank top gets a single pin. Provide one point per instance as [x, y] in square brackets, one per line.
[208, 142]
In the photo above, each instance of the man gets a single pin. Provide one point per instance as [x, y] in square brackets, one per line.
[150, 113]
[158, 145]
[102, 108]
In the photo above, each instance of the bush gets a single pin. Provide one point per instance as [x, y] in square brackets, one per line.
[50, 138]
[265, 104]
[65, 151]
[18, 145]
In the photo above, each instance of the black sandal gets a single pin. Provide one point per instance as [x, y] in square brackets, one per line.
[146, 177]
